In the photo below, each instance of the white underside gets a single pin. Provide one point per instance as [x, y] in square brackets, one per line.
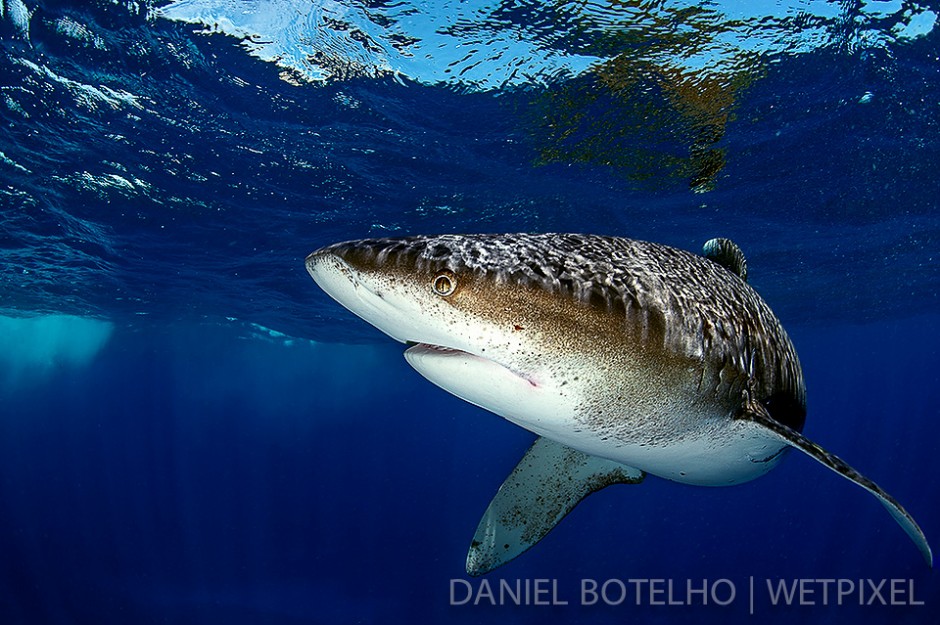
[709, 451]
[725, 454]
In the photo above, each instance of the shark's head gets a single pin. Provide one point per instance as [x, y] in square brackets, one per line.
[481, 322]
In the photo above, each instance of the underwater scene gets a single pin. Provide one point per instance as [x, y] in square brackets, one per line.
[202, 422]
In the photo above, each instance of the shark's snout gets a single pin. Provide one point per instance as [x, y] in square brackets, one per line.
[369, 255]
[312, 261]
[324, 266]
[329, 255]
[360, 276]
[339, 280]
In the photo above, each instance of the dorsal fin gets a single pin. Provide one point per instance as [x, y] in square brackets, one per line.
[726, 253]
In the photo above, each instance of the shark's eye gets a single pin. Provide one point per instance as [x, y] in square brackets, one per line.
[444, 284]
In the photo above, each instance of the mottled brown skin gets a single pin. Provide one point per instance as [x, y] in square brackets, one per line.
[620, 351]
[660, 319]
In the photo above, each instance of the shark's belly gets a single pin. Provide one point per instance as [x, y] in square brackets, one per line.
[700, 448]
[669, 429]
[682, 433]
[713, 455]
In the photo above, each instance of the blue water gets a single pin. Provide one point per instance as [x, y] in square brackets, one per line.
[191, 432]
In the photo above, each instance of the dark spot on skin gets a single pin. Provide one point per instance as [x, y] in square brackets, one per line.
[771, 456]
[617, 308]
[438, 252]
[655, 326]
[506, 546]
[538, 270]
[597, 299]
[787, 409]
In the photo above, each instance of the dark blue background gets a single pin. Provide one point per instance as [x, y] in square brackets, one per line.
[202, 469]
[193, 476]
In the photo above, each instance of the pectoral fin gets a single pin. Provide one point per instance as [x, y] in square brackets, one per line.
[546, 485]
[755, 412]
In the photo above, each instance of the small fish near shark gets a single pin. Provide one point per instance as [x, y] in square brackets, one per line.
[624, 357]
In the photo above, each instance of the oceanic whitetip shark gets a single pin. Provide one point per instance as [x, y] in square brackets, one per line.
[624, 357]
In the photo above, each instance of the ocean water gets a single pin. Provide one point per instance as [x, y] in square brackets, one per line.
[192, 432]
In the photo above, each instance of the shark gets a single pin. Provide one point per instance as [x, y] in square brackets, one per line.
[625, 358]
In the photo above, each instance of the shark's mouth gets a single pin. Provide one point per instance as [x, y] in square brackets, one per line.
[431, 350]
[429, 347]
[426, 351]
